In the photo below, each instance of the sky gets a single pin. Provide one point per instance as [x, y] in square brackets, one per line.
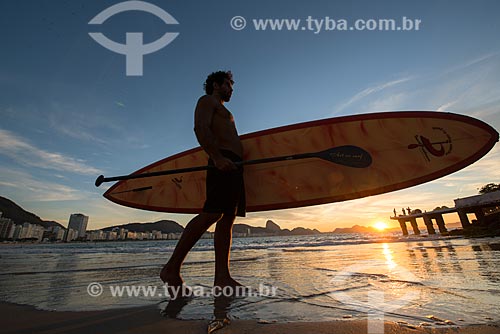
[69, 111]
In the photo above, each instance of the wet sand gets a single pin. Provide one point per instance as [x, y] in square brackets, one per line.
[429, 281]
[26, 319]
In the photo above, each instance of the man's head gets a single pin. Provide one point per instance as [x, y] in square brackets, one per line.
[220, 83]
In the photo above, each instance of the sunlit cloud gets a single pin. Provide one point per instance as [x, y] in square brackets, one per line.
[103, 129]
[77, 125]
[21, 151]
[370, 91]
[471, 88]
[31, 189]
[471, 63]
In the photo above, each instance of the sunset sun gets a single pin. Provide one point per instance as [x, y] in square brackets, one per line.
[381, 226]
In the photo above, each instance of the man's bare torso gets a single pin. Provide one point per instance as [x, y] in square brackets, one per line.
[215, 128]
[224, 130]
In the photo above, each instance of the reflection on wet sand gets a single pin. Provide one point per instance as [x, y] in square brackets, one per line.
[445, 259]
[436, 258]
[222, 307]
[175, 306]
[486, 259]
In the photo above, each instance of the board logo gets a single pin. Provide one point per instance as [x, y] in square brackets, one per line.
[178, 182]
[440, 145]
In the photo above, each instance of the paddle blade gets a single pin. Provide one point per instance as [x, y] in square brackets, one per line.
[99, 180]
[350, 156]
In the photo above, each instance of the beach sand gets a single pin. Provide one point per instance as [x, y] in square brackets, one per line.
[26, 319]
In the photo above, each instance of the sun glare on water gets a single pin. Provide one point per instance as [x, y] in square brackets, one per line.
[381, 226]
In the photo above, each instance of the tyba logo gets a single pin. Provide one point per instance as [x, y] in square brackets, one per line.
[439, 146]
[134, 49]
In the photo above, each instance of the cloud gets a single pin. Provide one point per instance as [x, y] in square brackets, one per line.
[92, 125]
[78, 125]
[471, 87]
[447, 105]
[390, 102]
[27, 154]
[371, 90]
[472, 63]
[31, 189]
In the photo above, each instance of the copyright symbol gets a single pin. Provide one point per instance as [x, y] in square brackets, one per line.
[238, 23]
[95, 289]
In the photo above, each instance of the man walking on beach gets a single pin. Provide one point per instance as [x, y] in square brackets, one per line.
[225, 196]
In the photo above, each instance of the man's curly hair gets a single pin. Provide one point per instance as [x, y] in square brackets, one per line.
[217, 77]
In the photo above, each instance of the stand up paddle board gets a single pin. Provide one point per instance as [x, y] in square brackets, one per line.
[356, 156]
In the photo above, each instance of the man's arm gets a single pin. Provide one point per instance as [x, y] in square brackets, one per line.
[204, 112]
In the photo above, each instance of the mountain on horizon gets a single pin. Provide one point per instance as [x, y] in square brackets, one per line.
[20, 216]
[165, 226]
[272, 229]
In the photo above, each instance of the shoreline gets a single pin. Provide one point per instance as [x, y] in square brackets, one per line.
[383, 239]
[17, 318]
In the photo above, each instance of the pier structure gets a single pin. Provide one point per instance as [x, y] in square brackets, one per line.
[463, 206]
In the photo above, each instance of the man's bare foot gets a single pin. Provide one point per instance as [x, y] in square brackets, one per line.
[175, 284]
[227, 281]
[171, 276]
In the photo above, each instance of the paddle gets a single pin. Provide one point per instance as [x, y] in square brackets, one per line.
[349, 156]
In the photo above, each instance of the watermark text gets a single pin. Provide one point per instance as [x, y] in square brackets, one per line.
[325, 24]
[96, 289]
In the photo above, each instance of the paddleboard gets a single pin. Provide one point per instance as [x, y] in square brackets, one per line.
[405, 148]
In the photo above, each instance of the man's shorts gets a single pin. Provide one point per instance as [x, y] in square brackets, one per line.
[225, 190]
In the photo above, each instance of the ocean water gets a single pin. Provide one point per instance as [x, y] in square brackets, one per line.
[415, 280]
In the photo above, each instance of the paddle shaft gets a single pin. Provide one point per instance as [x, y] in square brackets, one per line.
[101, 179]
[348, 155]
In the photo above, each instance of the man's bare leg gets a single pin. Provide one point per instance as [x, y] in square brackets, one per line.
[171, 272]
[222, 243]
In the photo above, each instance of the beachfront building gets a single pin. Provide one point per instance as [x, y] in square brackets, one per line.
[131, 235]
[37, 232]
[157, 235]
[56, 233]
[121, 233]
[26, 232]
[70, 235]
[10, 236]
[31, 231]
[17, 229]
[95, 235]
[78, 222]
[11, 231]
[111, 235]
[6, 225]
[173, 236]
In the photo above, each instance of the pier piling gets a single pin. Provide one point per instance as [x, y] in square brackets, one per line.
[463, 206]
